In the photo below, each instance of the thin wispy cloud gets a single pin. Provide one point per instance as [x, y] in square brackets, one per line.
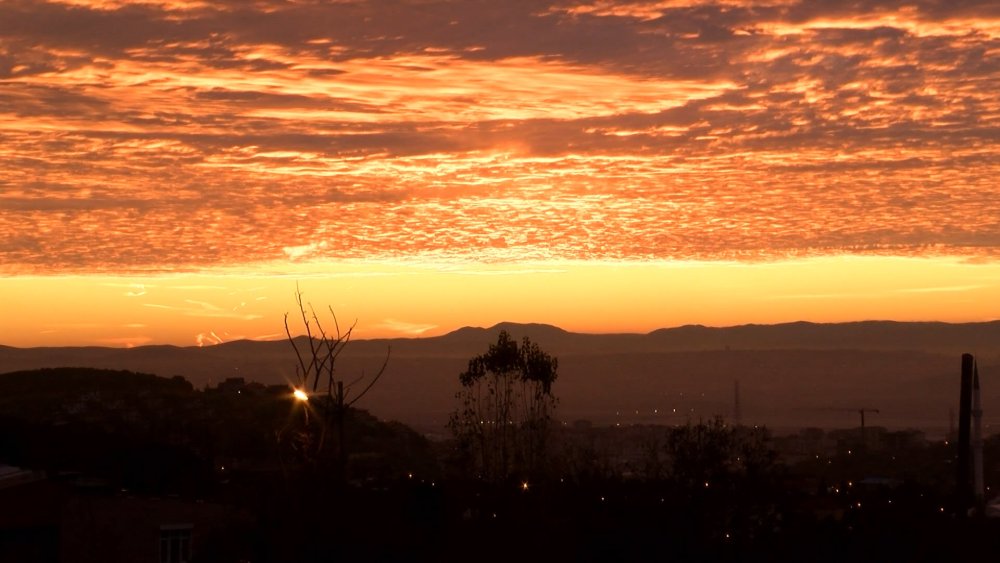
[944, 289]
[125, 341]
[206, 310]
[404, 327]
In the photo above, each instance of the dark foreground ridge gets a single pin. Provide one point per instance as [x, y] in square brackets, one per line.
[99, 465]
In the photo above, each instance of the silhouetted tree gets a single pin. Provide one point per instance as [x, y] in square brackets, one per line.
[726, 476]
[717, 452]
[507, 404]
[319, 389]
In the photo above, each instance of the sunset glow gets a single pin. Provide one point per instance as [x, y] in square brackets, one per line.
[170, 169]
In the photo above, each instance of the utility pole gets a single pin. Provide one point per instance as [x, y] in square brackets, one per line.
[737, 409]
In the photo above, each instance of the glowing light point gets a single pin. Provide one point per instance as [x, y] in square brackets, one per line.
[300, 395]
[524, 486]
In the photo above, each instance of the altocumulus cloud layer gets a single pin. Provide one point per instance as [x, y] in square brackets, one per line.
[164, 134]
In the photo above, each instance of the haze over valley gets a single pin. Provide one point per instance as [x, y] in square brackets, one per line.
[791, 375]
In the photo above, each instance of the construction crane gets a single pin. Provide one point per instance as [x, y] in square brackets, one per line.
[861, 411]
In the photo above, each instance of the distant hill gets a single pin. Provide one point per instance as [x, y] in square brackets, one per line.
[791, 374]
[866, 335]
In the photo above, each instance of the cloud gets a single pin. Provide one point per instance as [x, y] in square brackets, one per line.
[138, 290]
[944, 289]
[304, 250]
[125, 341]
[504, 271]
[403, 327]
[208, 339]
[183, 135]
[202, 309]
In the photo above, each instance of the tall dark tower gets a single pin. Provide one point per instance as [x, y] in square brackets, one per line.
[737, 409]
[979, 494]
[963, 484]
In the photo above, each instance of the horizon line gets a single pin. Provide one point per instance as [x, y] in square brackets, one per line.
[503, 324]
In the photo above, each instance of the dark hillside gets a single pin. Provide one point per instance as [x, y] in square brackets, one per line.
[145, 432]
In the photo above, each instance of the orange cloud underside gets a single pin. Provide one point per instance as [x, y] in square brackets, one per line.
[227, 135]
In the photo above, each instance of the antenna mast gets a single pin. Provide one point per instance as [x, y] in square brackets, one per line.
[737, 409]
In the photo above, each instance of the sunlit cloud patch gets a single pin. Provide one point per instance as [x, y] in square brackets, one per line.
[183, 135]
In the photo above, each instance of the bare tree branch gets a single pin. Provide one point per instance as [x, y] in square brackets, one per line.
[319, 362]
[374, 379]
[304, 374]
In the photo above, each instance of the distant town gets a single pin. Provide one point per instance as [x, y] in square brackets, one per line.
[153, 468]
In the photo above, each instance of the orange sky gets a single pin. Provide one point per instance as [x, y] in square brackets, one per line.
[171, 168]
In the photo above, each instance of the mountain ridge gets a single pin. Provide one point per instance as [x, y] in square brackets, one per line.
[533, 330]
[908, 370]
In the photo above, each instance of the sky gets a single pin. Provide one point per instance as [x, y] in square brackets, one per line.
[172, 170]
